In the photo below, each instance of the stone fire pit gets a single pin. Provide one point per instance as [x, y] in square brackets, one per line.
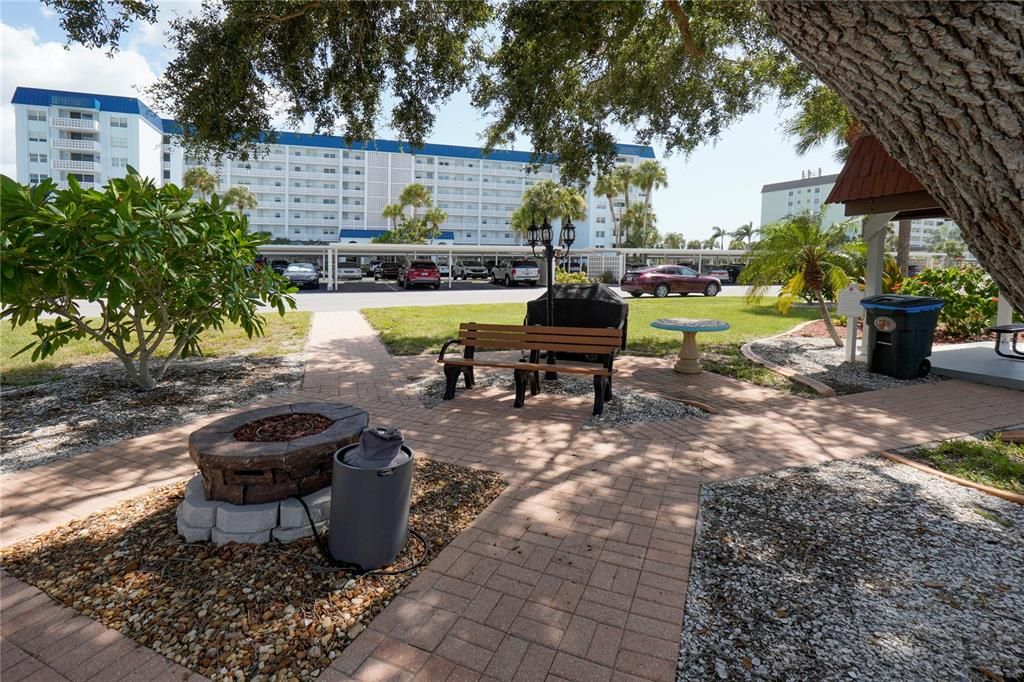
[253, 462]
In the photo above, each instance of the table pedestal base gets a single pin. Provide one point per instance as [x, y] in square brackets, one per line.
[688, 361]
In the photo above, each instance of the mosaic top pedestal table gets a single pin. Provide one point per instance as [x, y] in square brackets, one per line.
[688, 361]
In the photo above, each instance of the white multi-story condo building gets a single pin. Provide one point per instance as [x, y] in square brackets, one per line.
[781, 199]
[309, 187]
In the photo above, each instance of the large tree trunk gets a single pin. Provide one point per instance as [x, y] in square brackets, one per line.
[941, 85]
[903, 247]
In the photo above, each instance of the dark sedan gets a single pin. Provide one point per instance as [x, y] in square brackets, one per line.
[303, 275]
[663, 280]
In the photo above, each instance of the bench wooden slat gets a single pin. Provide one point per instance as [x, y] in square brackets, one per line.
[529, 366]
[608, 332]
[502, 344]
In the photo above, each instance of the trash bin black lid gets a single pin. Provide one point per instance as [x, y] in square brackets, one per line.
[902, 302]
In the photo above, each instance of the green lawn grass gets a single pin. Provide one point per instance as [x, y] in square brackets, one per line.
[991, 462]
[283, 335]
[416, 330]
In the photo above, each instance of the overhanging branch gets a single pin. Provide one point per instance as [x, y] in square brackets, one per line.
[675, 8]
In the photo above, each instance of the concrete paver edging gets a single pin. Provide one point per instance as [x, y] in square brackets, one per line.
[980, 487]
[817, 386]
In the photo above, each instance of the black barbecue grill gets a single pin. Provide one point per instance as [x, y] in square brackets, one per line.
[581, 305]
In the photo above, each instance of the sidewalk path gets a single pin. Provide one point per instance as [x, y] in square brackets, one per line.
[579, 569]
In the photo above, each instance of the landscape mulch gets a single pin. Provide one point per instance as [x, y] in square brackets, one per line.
[253, 612]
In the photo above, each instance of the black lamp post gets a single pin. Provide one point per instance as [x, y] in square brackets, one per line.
[543, 236]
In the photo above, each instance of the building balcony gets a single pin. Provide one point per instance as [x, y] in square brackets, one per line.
[76, 145]
[63, 123]
[83, 185]
[76, 166]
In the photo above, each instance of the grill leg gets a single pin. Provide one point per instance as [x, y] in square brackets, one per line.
[451, 376]
[520, 379]
[600, 386]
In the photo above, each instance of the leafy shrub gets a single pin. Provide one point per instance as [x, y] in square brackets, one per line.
[161, 267]
[607, 277]
[969, 293]
[564, 277]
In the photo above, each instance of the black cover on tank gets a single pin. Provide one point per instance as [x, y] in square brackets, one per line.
[581, 305]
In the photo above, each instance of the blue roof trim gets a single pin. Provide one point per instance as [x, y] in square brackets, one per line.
[41, 97]
[131, 105]
[351, 232]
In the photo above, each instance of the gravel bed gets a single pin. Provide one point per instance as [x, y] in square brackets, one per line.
[819, 359]
[238, 612]
[95, 405]
[860, 569]
[628, 406]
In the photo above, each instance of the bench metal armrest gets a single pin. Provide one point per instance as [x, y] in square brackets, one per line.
[444, 349]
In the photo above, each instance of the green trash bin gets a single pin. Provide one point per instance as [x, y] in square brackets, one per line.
[904, 327]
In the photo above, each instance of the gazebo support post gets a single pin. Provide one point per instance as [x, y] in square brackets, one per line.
[873, 232]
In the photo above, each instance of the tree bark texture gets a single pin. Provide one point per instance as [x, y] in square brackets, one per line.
[903, 247]
[941, 85]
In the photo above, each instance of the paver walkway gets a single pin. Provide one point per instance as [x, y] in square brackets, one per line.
[579, 569]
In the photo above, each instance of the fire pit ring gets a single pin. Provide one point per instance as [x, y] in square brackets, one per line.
[257, 471]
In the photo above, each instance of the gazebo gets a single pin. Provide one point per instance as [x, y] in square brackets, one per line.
[875, 185]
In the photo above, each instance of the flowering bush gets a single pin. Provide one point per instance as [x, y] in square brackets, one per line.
[969, 293]
[563, 277]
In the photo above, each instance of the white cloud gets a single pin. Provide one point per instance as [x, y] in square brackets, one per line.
[26, 60]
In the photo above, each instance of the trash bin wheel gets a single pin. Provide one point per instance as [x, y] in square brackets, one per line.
[924, 368]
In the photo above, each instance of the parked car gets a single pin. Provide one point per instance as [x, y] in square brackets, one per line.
[279, 266]
[349, 271]
[386, 270]
[419, 272]
[303, 275]
[734, 271]
[669, 279]
[512, 271]
[373, 265]
[443, 269]
[719, 271]
[469, 269]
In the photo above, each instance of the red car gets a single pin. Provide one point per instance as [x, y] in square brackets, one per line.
[663, 280]
[420, 272]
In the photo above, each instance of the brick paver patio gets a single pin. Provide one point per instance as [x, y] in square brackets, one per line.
[578, 571]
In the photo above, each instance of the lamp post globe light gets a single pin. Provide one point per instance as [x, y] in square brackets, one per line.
[544, 236]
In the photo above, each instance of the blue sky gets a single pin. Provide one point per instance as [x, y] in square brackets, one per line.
[718, 184]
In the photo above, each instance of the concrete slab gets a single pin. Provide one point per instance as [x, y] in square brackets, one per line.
[978, 362]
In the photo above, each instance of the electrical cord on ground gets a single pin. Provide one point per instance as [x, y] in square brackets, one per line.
[339, 566]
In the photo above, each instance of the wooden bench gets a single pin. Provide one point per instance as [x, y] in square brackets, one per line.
[603, 342]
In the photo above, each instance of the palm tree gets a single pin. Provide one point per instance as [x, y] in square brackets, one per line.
[718, 233]
[709, 243]
[745, 233]
[649, 175]
[548, 199]
[625, 174]
[240, 197]
[435, 217]
[415, 195]
[392, 212]
[806, 257]
[673, 240]
[693, 244]
[200, 180]
[608, 186]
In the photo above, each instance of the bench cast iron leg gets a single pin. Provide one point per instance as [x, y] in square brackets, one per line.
[520, 378]
[600, 386]
[608, 389]
[451, 376]
[467, 374]
[534, 383]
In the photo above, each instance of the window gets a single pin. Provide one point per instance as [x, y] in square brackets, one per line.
[167, 156]
[298, 168]
[333, 170]
[469, 234]
[330, 201]
[599, 233]
[37, 136]
[297, 200]
[328, 232]
[790, 192]
[298, 153]
[277, 215]
[118, 122]
[36, 178]
[600, 220]
[118, 162]
[330, 155]
[167, 139]
[167, 175]
[36, 115]
[118, 141]
[37, 158]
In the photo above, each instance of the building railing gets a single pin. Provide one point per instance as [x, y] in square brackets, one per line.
[76, 145]
[65, 165]
[75, 123]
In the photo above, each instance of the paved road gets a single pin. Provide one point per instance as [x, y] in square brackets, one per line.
[370, 294]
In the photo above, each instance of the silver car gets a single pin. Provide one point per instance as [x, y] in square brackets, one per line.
[349, 271]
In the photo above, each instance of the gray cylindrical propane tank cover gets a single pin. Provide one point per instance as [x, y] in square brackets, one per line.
[369, 511]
